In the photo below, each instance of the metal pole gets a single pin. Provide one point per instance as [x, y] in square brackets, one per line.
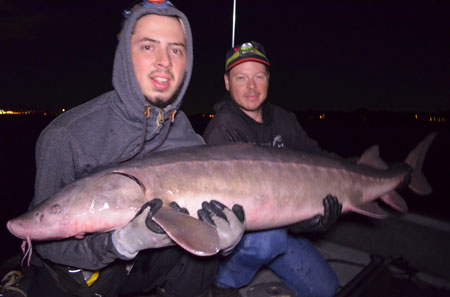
[234, 22]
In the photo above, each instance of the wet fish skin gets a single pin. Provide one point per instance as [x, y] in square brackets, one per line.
[276, 187]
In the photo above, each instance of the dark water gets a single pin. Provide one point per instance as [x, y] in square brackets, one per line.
[345, 134]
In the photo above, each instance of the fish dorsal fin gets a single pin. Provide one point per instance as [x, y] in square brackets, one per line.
[193, 235]
[371, 158]
[370, 209]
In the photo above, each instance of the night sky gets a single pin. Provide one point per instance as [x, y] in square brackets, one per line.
[325, 55]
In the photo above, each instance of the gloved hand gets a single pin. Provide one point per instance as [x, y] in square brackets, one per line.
[142, 232]
[230, 224]
[319, 223]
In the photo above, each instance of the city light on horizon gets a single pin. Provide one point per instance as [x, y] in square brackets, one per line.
[29, 112]
[426, 117]
[12, 112]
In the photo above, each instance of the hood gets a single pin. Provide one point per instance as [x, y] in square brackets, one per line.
[131, 103]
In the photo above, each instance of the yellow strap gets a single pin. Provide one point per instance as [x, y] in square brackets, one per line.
[93, 278]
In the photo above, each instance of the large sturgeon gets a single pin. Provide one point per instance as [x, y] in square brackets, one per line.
[276, 187]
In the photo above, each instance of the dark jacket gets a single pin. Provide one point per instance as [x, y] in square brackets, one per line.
[280, 128]
[107, 130]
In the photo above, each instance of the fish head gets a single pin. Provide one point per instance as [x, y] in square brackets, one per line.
[98, 203]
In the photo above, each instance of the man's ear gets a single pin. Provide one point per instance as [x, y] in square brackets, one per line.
[226, 78]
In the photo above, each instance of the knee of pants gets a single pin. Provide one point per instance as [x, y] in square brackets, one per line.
[321, 280]
[266, 245]
[328, 287]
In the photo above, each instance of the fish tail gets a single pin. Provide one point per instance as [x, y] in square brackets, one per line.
[415, 159]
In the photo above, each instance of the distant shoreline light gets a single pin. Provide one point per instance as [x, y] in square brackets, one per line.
[29, 112]
[12, 112]
[427, 117]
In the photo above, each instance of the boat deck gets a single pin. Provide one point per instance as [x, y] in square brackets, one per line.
[404, 255]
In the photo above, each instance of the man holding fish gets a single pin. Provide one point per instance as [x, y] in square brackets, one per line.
[104, 165]
[246, 116]
[152, 69]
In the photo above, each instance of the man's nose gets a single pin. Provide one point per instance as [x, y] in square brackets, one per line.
[163, 59]
[251, 83]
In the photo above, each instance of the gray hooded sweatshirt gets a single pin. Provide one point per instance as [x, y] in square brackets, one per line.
[115, 127]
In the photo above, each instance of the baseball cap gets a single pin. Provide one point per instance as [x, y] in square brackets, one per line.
[247, 51]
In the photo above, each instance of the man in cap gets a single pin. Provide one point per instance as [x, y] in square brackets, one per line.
[246, 116]
[152, 69]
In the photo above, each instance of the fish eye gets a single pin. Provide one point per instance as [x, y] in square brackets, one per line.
[55, 209]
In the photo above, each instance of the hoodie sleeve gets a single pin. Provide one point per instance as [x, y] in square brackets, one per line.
[93, 252]
[215, 135]
[222, 127]
[56, 167]
[55, 164]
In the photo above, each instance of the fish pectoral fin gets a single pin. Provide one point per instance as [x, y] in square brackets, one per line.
[370, 209]
[394, 200]
[195, 236]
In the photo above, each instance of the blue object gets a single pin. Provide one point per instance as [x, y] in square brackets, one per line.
[294, 259]
[160, 4]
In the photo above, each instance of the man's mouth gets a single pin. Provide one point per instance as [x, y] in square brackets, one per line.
[160, 83]
[160, 79]
[251, 95]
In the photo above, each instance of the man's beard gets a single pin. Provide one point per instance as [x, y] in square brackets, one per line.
[161, 103]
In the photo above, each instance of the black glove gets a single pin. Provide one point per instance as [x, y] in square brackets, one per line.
[142, 232]
[319, 223]
[230, 224]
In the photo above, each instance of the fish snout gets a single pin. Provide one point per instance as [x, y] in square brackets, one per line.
[23, 226]
[13, 227]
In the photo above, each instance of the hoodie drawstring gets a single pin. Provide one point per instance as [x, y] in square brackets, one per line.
[172, 116]
[160, 121]
[147, 112]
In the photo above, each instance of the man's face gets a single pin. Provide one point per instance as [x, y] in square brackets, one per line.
[158, 52]
[248, 84]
